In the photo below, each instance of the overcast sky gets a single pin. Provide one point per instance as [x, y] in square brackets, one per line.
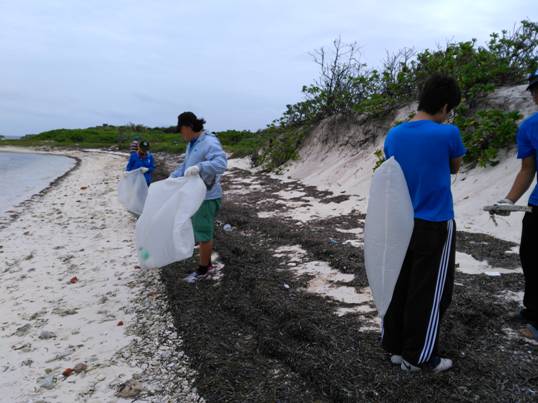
[73, 63]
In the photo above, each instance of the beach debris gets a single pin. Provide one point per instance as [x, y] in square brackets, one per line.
[333, 241]
[80, 367]
[83, 187]
[227, 227]
[47, 382]
[73, 280]
[131, 388]
[23, 330]
[27, 363]
[26, 347]
[529, 332]
[64, 311]
[46, 335]
[67, 372]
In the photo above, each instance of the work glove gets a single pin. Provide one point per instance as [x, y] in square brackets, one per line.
[503, 202]
[192, 171]
[144, 170]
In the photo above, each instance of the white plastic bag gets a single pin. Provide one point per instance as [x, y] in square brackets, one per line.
[387, 232]
[133, 190]
[164, 231]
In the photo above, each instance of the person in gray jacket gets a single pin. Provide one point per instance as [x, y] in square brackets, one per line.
[204, 157]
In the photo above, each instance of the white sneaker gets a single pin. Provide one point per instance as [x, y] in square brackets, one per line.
[436, 365]
[444, 365]
[396, 359]
[407, 366]
[191, 278]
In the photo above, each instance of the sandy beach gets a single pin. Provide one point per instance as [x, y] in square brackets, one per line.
[290, 308]
[74, 297]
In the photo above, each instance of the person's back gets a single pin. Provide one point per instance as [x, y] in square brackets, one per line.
[424, 148]
[428, 152]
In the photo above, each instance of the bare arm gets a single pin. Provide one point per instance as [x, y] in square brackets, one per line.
[523, 179]
[455, 165]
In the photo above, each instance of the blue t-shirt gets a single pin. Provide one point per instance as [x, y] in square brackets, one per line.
[527, 144]
[424, 149]
[136, 161]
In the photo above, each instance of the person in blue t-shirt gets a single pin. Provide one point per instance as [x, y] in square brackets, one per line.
[142, 159]
[527, 148]
[428, 152]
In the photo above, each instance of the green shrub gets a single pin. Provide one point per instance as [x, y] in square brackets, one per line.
[347, 85]
[486, 132]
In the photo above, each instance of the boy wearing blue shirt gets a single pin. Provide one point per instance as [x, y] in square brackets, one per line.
[428, 152]
[527, 148]
[142, 159]
[204, 157]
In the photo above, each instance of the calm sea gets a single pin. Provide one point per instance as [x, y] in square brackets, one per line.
[24, 174]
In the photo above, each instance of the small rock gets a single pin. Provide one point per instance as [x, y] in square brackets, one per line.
[48, 382]
[81, 367]
[23, 346]
[27, 363]
[45, 335]
[64, 311]
[23, 330]
[67, 372]
[120, 323]
[129, 389]
[73, 280]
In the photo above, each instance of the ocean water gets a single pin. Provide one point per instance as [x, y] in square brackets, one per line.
[24, 174]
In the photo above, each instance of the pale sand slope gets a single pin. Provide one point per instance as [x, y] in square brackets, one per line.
[79, 229]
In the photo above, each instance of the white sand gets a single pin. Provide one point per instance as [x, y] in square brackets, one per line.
[327, 282]
[469, 265]
[76, 229]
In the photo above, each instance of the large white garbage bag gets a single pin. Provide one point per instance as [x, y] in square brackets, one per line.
[133, 190]
[164, 231]
[387, 233]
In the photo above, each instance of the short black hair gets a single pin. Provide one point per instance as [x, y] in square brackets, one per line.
[144, 145]
[189, 119]
[437, 91]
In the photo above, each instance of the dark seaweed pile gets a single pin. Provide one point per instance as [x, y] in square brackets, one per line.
[252, 338]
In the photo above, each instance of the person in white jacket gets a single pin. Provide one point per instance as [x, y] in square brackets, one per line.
[204, 157]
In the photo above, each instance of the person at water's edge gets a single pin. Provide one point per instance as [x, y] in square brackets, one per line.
[527, 149]
[142, 158]
[428, 151]
[204, 157]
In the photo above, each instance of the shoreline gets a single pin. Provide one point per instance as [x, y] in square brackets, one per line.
[15, 211]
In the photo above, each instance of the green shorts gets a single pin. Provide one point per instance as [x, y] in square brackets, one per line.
[203, 221]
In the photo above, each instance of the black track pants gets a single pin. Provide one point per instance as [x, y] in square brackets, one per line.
[528, 253]
[423, 292]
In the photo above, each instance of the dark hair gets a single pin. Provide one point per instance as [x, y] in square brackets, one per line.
[144, 145]
[439, 90]
[189, 119]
